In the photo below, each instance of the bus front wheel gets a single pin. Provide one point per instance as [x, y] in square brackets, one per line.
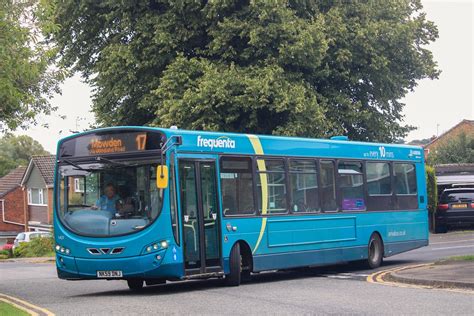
[235, 266]
[375, 251]
[135, 284]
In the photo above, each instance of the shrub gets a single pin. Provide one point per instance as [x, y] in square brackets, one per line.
[4, 254]
[38, 247]
[432, 190]
[6, 251]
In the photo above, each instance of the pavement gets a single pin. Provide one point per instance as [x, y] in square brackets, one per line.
[444, 274]
[30, 260]
[341, 289]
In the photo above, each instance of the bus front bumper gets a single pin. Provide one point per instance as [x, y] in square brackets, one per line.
[149, 266]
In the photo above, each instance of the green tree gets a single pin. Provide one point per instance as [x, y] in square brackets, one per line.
[299, 67]
[26, 80]
[460, 149]
[16, 151]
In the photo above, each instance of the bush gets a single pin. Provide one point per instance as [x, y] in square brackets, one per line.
[4, 254]
[459, 149]
[432, 189]
[38, 247]
[6, 251]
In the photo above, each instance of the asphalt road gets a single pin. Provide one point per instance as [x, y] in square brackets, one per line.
[331, 290]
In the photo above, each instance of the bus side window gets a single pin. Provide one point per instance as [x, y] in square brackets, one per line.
[379, 186]
[271, 173]
[351, 186]
[328, 185]
[237, 186]
[304, 186]
[405, 185]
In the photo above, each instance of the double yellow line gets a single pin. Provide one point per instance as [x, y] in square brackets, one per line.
[381, 277]
[31, 309]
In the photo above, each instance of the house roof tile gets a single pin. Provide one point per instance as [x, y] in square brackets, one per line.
[45, 165]
[11, 180]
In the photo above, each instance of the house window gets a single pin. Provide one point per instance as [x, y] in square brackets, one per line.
[37, 196]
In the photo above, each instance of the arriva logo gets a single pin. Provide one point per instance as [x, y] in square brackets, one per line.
[221, 142]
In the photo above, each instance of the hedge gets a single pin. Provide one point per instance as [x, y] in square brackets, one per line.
[432, 190]
[37, 247]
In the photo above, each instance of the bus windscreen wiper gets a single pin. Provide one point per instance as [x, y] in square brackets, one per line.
[69, 162]
[99, 159]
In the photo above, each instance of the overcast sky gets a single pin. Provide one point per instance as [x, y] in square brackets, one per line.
[445, 101]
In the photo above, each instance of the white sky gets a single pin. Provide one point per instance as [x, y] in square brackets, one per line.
[445, 101]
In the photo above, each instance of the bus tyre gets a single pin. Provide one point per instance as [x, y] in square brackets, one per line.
[235, 266]
[135, 284]
[375, 252]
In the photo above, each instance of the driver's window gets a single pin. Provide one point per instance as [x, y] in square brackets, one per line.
[91, 189]
[82, 191]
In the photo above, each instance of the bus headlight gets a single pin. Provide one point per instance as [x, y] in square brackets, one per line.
[62, 249]
[156, 246]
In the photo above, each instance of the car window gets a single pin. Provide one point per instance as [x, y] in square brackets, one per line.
[20, 236]
[451, 197]
[32, 236]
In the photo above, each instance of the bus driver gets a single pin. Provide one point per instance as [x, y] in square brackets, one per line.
[109, 201]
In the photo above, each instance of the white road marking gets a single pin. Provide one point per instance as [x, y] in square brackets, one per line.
[445, 248]
[337, 276]
[451, 242]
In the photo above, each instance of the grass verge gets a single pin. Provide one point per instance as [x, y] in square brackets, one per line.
[10, 310]
[461, 258]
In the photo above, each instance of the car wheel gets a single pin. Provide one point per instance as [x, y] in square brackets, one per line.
[440, 229]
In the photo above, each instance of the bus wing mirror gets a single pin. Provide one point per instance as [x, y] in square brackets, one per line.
[162, 176]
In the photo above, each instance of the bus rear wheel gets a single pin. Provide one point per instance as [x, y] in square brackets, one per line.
[235, 266]
[135, 284]
[375, 251]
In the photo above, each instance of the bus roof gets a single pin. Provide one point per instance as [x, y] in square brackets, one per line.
[298, 146]
[235, 143]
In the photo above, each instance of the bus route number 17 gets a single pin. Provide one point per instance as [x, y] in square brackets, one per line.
[141, 141]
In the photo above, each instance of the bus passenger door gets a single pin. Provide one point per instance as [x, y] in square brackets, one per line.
[200, 216]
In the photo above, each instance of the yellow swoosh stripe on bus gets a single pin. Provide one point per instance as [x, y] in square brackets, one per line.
[257, 147]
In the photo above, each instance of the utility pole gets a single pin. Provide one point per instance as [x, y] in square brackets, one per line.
[78, 119]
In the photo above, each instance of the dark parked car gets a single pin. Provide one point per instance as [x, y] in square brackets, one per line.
[455, 208]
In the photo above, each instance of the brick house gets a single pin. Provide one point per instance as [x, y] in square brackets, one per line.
[465, 126]
[12, 205]
[38, 182]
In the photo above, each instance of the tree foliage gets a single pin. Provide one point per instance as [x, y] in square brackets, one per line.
[26, 79]
[459, 149]
[17, 151]
[299, 67]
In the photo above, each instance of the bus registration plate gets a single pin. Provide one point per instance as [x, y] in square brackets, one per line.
[109, 274]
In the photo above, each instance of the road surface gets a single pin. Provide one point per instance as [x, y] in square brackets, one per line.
[331, 290]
